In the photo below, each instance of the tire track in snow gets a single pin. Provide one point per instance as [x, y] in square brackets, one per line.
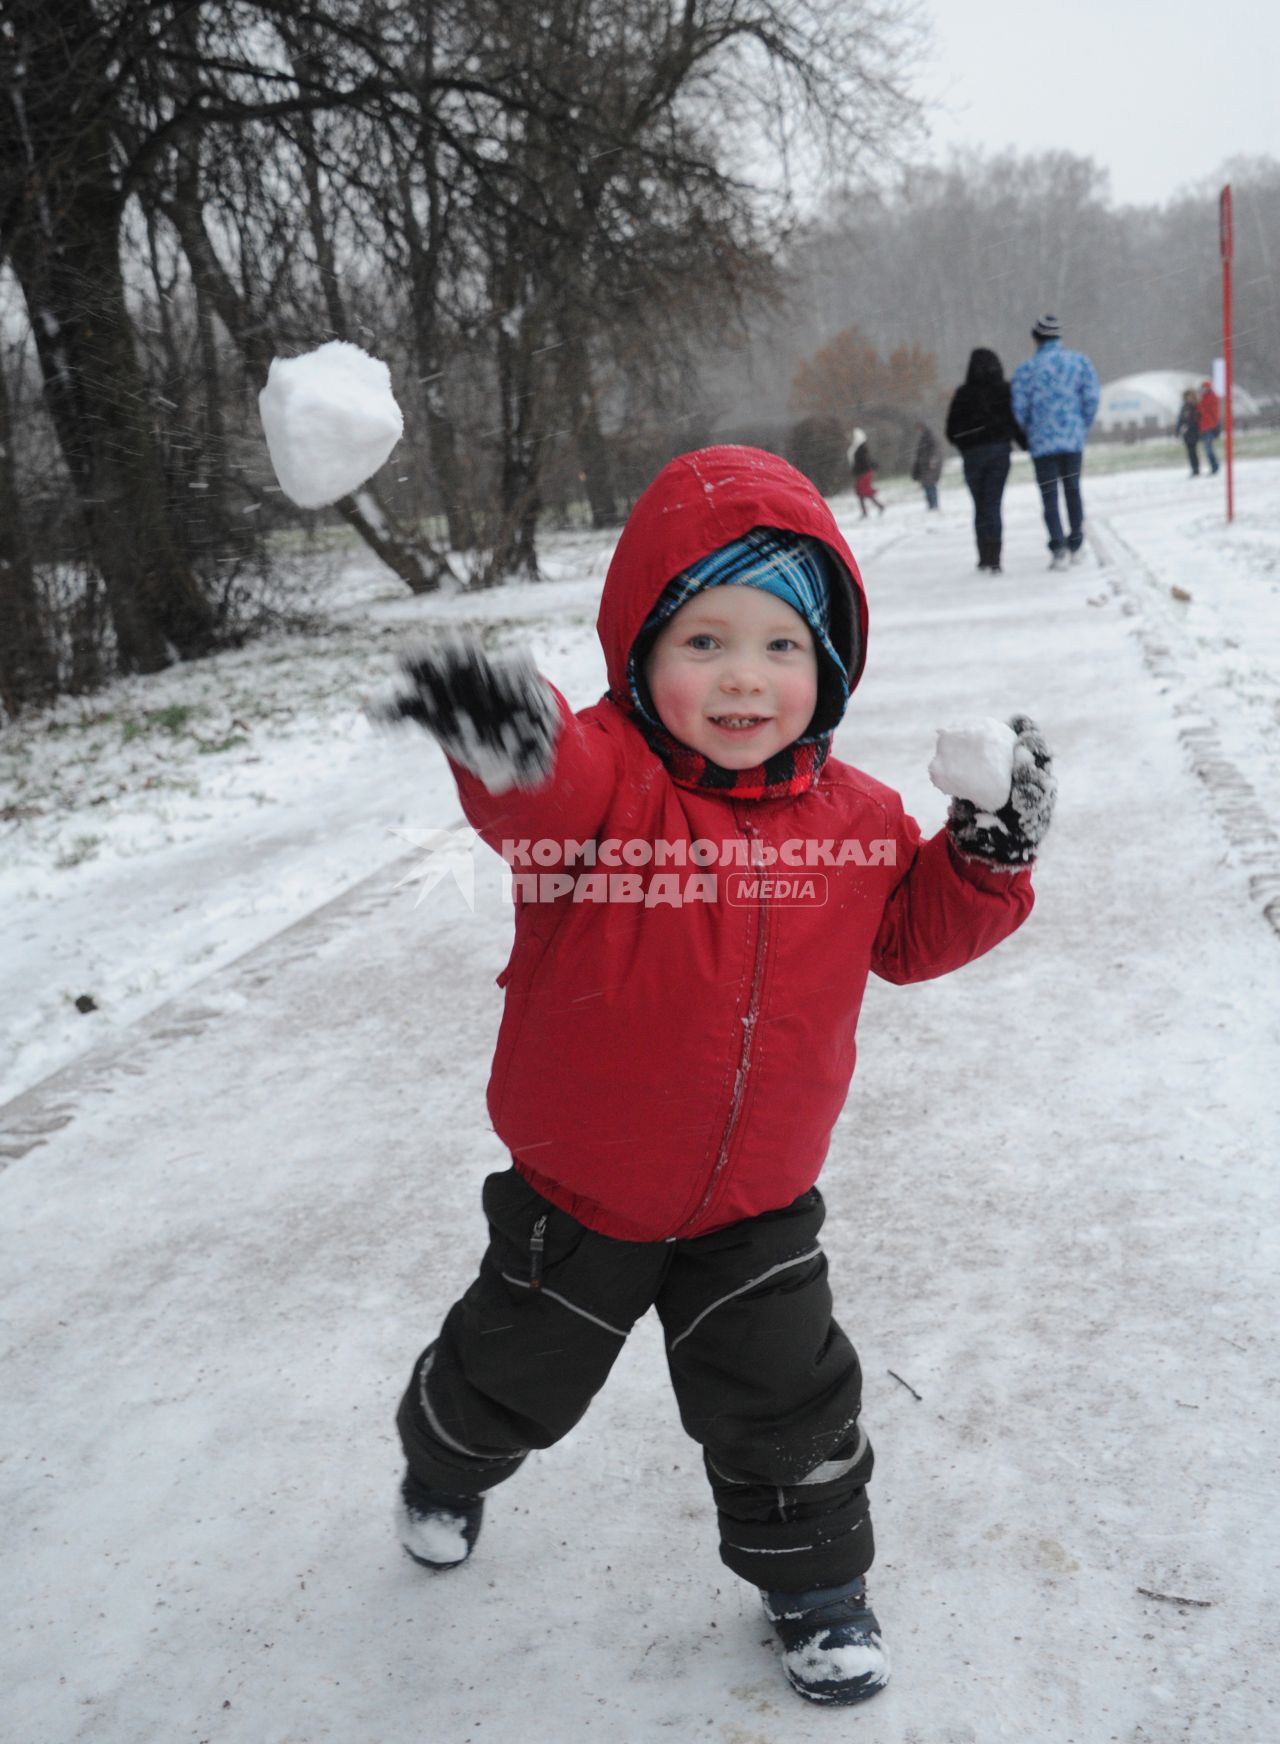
[1232, 796]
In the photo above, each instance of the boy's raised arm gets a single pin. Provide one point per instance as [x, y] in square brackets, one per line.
[968, 887]
[523, 761]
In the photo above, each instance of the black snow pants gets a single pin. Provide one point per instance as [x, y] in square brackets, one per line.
[765, 1380]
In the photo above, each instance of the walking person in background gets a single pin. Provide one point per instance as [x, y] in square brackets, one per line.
[864, 471]
[1188, 427]
[981, 424]
[926, 468]
[1055, 399]
[1209, 413]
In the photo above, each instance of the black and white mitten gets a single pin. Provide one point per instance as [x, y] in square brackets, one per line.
[496, 717]
[1011, 836]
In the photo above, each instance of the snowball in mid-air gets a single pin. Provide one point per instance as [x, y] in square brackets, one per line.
[974, 760]
[330, 419]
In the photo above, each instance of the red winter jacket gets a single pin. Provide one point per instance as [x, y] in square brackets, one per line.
[663, 1070]
[1209, 409]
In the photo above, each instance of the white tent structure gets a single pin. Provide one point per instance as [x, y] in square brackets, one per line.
[1147, 404]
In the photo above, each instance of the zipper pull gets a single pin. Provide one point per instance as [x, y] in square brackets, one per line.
[537, 1242]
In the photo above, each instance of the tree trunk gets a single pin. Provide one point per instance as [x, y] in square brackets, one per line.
[579, 393]
[28, 664]
[98, 400]
[65, 254]
[309, 69]
[513, 549]
[426, 260]
[442, 447]
[217, 497]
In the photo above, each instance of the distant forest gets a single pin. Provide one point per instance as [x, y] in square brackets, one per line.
[944, 260]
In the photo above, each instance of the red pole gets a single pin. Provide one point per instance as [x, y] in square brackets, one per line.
[1225, 244]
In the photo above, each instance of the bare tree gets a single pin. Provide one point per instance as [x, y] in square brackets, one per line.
[62, 211]
[286, 157]
[613, 216]
[565, 207]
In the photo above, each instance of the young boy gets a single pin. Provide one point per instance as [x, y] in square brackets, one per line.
[678, 1036]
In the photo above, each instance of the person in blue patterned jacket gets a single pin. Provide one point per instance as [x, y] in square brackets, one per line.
[1055, 399]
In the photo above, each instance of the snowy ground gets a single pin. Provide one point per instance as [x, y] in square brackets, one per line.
[1052, 1199]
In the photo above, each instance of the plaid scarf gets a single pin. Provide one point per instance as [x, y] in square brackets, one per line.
[788, 772]
[794, 569]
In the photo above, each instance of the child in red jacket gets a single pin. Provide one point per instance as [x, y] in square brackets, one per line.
[701, 891]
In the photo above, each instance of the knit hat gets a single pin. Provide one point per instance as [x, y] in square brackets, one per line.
[795, 569]
[1047, 327]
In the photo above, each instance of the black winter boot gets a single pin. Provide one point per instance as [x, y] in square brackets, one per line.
[993, 555]
[984, 554]
[437, 1530]
[832, 1650]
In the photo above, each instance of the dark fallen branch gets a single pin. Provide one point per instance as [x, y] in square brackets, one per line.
[907, 1385]
[1175, 1599]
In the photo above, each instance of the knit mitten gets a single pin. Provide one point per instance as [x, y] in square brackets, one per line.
[496, 717]
[1011, 836]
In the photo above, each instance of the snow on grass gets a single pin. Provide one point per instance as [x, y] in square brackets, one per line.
[155, 830]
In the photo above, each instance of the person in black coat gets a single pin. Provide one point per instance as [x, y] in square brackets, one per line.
[981, 424]
[1188, 427]
[926, 468]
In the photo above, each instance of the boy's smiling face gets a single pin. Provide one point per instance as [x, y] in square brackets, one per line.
[734, 675]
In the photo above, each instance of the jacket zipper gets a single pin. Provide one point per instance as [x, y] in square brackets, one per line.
[537, 1243]
[744, 1058]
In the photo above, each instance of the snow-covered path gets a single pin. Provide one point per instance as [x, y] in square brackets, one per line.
[1052, 1207]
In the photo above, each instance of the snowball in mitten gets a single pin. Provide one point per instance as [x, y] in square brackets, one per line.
[496, 717]
[1010, 835]
[974, 760]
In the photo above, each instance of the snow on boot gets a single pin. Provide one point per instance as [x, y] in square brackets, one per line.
[436, 1529]
[832, 1649]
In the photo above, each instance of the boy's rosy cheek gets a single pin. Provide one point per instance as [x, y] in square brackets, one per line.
[674, 693]
[806, 691]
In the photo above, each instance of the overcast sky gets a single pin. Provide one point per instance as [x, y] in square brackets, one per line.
[1158, 92]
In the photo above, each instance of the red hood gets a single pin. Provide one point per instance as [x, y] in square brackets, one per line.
[697, 503]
